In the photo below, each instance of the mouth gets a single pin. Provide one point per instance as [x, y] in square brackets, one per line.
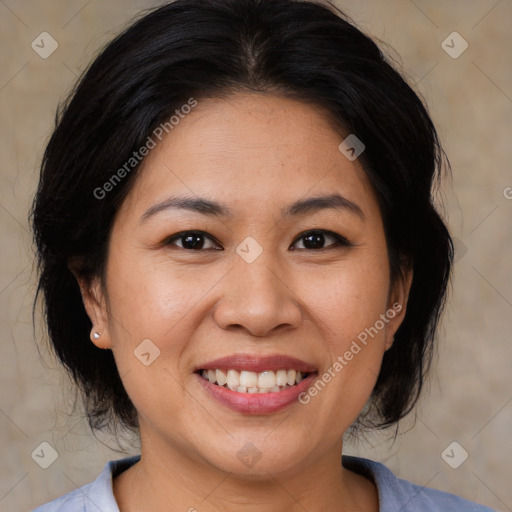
[254, 384]
[268, 381]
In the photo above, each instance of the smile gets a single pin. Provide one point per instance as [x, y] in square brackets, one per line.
[255, 384]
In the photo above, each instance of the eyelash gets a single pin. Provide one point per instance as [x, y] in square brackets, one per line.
[339, 241]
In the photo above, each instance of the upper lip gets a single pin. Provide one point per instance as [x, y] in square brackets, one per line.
[253, 363]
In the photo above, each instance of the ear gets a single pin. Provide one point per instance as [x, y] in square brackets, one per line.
[95, 304]
[397, 304]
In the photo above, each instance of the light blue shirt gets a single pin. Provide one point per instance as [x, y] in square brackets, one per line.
[395, 494]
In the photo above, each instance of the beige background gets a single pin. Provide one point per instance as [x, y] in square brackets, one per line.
[470, 98]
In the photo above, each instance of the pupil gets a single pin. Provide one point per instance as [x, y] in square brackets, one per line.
[314, 240]
[193, 241]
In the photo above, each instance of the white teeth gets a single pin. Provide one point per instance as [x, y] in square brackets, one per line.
[267, 379]
[221, 377]
[281, 378]
[252, 382]
[233, 379]
[248, 379]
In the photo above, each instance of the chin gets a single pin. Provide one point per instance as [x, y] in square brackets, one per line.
[254, 458]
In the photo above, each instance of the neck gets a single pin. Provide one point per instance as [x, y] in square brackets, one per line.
[169, 479]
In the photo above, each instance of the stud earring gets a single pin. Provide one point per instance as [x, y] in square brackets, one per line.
[96, 335]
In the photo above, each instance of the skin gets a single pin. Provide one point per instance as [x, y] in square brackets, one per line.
[256, 154]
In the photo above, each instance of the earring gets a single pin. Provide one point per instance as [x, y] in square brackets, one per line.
[96, 335]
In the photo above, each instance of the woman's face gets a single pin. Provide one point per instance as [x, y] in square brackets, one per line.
[251, 292]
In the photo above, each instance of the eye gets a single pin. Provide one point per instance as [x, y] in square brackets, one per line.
[316, 239]
[199, 240]
[192, 240]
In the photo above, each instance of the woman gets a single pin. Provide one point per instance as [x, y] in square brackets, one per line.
[240, 259]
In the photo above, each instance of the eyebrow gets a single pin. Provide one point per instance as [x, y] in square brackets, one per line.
[212, 208]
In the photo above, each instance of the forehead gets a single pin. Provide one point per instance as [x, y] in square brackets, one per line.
[251, 150]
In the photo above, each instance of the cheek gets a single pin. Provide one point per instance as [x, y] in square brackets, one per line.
[347, 307]
[151, 294]
[350, 299]
[152, 301]
[149, 306]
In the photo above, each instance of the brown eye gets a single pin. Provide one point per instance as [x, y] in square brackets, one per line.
[192, 240]
[316, 239]
[312, 240]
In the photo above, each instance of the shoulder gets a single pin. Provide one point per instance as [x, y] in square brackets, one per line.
[97, 495]
[397, 495]
[74, 501]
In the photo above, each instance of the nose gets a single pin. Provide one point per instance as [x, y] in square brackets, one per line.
[258, 299]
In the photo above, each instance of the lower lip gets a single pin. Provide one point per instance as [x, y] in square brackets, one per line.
[257, 403]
